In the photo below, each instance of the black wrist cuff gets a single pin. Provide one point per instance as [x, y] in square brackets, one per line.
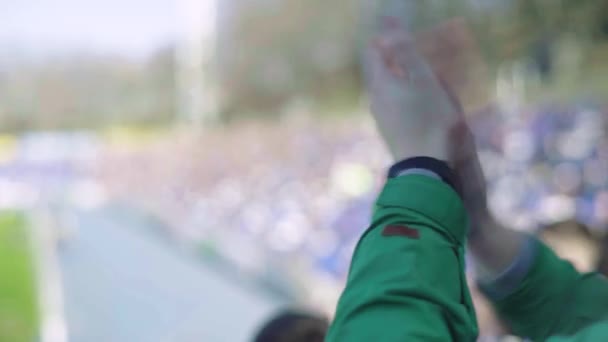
[439, 167]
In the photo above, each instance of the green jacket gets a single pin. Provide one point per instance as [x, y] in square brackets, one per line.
[407, 280]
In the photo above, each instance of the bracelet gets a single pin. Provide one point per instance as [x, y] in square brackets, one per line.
[435, 166]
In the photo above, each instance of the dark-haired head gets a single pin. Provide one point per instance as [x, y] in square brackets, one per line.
[293, 326]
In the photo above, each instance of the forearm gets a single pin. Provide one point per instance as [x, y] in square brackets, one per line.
[493, 246]
[537, 294]
[406, 280]
[389, 295]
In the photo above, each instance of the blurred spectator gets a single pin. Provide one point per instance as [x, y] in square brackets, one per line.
[293, 326]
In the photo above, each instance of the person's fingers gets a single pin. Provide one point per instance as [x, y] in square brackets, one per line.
[390, 58]
[394, 43]
[375, 68]
[382, 78]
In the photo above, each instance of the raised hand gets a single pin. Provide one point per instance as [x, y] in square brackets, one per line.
[418, 114]
[414, 113]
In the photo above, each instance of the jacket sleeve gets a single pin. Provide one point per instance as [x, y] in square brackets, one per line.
[406, 281]
[553, 299]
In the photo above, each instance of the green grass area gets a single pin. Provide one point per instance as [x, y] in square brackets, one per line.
[18, 307]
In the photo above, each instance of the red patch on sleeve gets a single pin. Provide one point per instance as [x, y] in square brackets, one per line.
[397, 230]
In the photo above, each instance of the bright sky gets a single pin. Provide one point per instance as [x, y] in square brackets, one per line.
[128, 27]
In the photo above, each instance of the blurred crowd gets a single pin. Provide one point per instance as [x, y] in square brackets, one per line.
[547, 164]
[274, 198]
[287, 200]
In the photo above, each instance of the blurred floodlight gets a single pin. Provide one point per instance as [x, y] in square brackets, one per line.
[352, 179]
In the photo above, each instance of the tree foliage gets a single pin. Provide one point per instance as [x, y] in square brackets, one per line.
[86, 91]
[297, 48]
[275, 52]
[273, 55]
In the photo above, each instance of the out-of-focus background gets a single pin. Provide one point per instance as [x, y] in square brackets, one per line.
[180, 170]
